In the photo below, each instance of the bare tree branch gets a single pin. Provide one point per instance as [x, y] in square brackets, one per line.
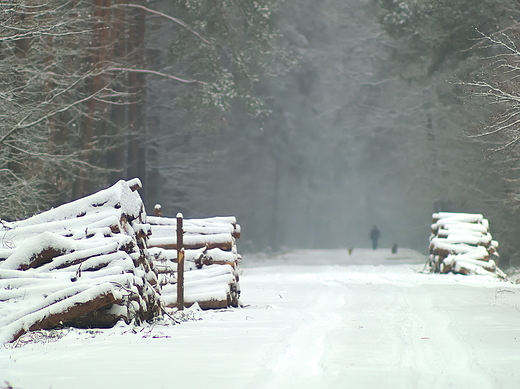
[146, 71]
[175, 20]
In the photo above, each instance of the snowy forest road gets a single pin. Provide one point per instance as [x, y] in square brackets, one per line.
[311, 319]
[371, 320]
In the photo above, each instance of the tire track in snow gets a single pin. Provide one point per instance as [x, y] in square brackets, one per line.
[396, 336]
[432, 354]
[342, 331]
[296, 358]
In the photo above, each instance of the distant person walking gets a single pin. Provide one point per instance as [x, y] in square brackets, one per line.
[375, 234]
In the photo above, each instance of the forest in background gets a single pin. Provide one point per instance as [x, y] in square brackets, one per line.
[310, 121]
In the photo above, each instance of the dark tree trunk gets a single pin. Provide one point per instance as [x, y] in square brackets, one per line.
[136, 164]
[100, 50]
[116, 157]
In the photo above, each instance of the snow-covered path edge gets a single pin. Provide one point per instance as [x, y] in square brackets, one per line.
[312, 319]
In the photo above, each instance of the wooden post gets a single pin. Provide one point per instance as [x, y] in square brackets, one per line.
[157, 210]
[180, 263]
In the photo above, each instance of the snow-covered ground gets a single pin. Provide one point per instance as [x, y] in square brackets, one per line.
[312, 319]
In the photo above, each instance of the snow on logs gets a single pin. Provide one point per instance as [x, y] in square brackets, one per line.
[461, 243]
[210, 260]
[82, 264]
[94, 261]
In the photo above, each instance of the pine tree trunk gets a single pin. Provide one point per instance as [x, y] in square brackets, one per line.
[136, 164]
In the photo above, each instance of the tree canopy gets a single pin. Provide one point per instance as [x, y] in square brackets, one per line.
[310, 121]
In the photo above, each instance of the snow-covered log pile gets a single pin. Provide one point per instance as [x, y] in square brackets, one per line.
[211, 260]
[461, 243]
[82, 264]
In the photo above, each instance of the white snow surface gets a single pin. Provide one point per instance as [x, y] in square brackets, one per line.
[190, 240]
[311, 319]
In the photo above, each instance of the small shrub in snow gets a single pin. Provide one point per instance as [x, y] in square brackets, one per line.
[40, 336]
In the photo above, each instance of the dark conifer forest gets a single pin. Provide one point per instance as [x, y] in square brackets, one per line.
[311, 121]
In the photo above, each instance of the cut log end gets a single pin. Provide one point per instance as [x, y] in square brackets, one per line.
[135, 184]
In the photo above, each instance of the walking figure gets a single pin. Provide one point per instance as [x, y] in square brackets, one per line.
[375, 234]
[394, 248]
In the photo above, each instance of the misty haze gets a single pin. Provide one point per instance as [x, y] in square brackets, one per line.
[309, 121]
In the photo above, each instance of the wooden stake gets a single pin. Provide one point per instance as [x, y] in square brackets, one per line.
[180, 263]
[157, 210]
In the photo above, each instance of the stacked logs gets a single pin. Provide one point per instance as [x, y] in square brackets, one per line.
[82, 264]
[94, 261]
[210, 260]
[461, 243]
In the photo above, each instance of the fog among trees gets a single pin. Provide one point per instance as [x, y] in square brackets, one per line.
[310, 121]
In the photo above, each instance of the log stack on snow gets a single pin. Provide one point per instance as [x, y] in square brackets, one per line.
[210, 255]
[82, 264]
[94, 261]
[461, 243]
